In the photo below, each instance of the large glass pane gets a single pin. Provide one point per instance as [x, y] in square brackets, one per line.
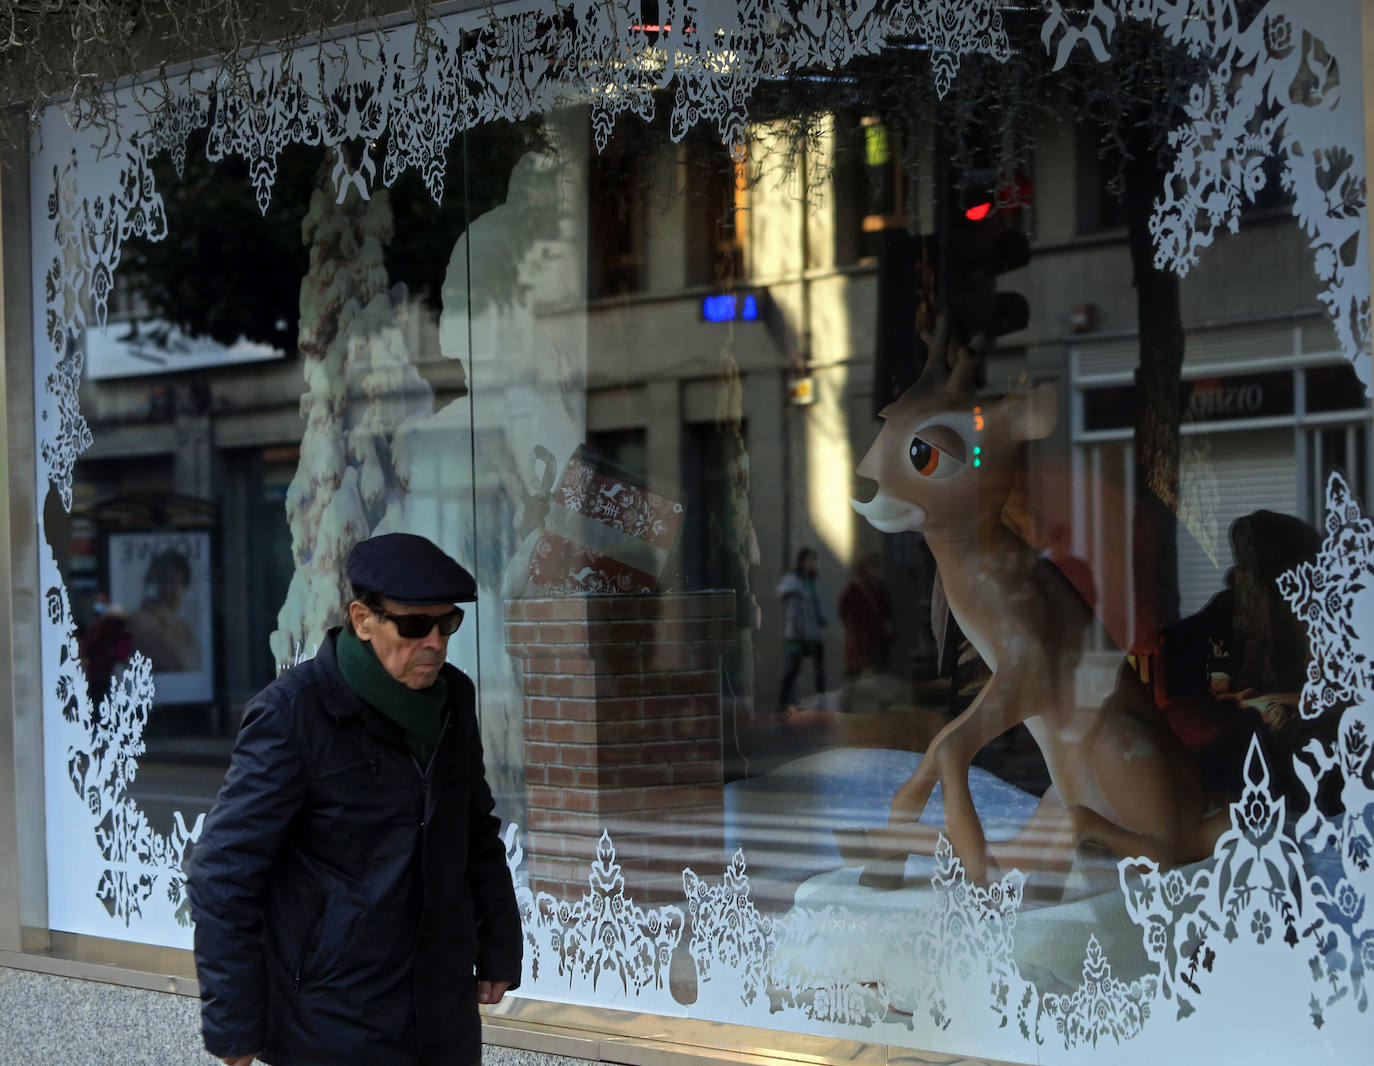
[913, 468]
[893, 523]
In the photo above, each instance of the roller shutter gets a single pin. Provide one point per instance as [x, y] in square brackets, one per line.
[1224, 476]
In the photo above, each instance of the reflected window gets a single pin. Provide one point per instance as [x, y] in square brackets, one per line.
[618, 178]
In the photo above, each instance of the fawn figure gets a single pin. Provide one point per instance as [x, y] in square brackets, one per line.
[944, 464]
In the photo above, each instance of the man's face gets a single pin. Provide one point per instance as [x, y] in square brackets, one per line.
[414, 663]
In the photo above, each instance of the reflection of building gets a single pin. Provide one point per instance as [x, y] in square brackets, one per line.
[684, 388]
[690, 392]
[177, 449]
[1271, 409]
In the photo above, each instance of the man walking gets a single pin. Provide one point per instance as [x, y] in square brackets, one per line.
[350, 890]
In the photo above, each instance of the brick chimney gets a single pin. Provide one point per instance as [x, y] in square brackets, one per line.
[622, 732]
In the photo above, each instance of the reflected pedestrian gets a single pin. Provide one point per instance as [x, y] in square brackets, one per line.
[1078, 570]
[803, 620]
[866, 613]
[105, 646]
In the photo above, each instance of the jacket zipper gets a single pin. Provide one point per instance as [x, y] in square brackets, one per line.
[310, 941]
[424, 817]
[424, 781]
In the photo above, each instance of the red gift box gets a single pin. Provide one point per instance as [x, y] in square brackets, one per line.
[606, 531]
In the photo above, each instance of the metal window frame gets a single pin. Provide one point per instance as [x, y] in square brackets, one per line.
[23, 859]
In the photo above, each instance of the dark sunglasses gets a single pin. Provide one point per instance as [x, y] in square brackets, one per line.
[418, 626]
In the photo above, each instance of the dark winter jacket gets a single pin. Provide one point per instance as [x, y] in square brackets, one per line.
[343, 895]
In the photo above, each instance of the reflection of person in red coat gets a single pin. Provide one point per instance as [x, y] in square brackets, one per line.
[867, 616]
[105, 646]
[1078, 571]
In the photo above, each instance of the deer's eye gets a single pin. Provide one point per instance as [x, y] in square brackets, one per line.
[930, 461]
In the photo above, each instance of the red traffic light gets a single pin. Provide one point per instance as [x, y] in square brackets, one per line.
[1011, 192]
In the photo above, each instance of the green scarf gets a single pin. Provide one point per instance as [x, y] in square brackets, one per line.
[416, 711]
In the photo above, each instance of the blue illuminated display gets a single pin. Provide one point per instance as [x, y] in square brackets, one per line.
[730, 307]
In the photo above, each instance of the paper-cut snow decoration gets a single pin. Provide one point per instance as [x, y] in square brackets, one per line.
[604, 943]
[102, 761]
[1273, 88]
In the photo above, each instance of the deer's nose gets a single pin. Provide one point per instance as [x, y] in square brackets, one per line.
[864, 489]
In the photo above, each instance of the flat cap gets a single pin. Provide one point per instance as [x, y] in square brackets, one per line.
[409, 569]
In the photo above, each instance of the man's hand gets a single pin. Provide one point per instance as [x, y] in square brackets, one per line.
[491, 991]
[239, 1060]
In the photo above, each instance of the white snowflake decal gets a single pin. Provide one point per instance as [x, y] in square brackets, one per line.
[1103, 1006]
[102, 765]
[729, 935]
[1334, 598]
[605, 938]
[1272, 88]
[956, 946]
[1297, 883]
[71, 436]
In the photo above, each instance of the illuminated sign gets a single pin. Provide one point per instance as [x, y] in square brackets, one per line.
[802, 391]
[730, 307]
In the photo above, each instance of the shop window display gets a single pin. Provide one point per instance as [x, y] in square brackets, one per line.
[1086, 748]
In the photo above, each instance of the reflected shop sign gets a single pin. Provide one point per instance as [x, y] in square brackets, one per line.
[1224, 399]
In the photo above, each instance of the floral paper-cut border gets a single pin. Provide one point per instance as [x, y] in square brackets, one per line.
[101, 767]
[1293, 883]
[1334, 598]
[1298, 879]
[603, 944]
[1103, 1006]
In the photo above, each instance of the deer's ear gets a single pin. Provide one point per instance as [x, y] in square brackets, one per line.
[1031, 415]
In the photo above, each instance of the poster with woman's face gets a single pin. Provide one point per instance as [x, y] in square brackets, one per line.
[161, 583]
